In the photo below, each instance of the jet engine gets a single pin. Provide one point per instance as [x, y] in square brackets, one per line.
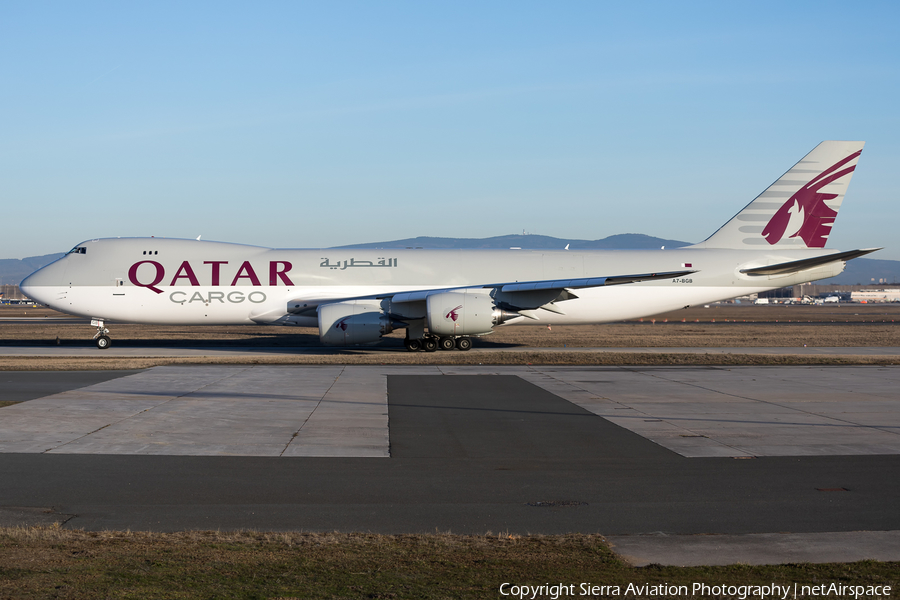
[464, 313]
[353, 322]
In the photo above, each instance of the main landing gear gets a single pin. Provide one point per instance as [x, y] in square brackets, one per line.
[431, 343]
[101, 338]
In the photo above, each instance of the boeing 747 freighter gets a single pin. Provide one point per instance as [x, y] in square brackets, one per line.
[444, 298]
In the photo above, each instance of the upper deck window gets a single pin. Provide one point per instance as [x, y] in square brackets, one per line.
[78, 250]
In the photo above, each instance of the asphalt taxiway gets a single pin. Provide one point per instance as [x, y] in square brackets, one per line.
[716, 461]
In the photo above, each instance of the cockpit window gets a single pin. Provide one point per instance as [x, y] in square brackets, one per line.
[77, 250]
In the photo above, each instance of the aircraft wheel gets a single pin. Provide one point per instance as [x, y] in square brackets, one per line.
[447, 343]
[103, 342]
[413, 345]
[464, 343]
[430, 345]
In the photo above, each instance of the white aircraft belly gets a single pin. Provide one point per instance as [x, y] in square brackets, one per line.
[201, 305]
[245, 305]
[618, 303]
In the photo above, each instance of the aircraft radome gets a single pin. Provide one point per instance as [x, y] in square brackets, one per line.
[443, 298]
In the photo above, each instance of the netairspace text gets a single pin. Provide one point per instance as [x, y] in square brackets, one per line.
[773, 591]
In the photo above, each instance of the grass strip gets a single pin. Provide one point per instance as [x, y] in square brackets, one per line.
[45, 562]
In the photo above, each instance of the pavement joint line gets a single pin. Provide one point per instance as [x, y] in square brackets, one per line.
[779, 405]
[311, 413]
[641, 413]
[131, 416]
[572, 391]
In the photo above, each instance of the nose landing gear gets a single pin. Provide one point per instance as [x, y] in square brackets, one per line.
[101, 338]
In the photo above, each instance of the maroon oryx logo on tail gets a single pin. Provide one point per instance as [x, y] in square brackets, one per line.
[805, 214]
[453, 315]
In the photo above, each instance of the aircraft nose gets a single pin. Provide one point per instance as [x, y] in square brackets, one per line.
[30, 287]
[38, 286]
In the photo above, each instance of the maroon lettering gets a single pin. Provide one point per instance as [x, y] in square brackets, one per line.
[246, 272]
[275, 274]
[185, 271]
[215, 269]
[160, 273]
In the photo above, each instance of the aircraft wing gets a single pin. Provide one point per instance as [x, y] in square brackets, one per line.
[514, 295]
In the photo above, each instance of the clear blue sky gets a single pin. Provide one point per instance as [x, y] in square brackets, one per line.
[295, 124]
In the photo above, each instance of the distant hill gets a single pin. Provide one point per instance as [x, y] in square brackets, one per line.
[625, 241]
[14, 270]
[863, 271]
[867, 271]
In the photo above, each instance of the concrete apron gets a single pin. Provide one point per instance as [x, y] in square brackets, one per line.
[335, 411]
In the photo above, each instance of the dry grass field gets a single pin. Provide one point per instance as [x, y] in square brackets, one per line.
[726, 325]
[58, 563]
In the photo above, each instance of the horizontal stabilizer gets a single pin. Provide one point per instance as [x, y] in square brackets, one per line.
[795, 266]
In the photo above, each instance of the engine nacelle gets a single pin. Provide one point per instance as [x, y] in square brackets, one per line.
[461, 313]
[352, 322]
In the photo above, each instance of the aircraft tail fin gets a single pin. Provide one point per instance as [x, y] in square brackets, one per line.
[799, 209]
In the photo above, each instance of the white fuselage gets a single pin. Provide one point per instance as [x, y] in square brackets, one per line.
[156, 280]
[355, 296]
